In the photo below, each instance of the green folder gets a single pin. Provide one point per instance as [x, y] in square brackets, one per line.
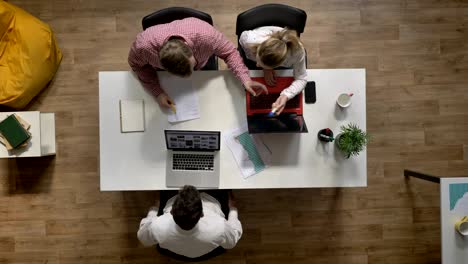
[13, 131]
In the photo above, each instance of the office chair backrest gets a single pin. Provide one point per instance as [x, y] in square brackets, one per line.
[271, 15]
[170, 14]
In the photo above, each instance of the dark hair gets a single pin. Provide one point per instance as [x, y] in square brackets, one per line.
[187, 208]
[175, 57]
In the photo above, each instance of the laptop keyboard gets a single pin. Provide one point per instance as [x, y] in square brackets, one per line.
[203, 162]
[265, 101]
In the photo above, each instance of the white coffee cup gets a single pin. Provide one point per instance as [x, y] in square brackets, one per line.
[344, 100]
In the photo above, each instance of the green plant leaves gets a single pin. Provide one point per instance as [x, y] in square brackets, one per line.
[352, 140]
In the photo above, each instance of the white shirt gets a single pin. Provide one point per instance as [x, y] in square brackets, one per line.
[293, 60]
[211, 231]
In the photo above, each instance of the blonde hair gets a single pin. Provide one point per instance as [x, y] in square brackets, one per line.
[273, 51]
[174, 56]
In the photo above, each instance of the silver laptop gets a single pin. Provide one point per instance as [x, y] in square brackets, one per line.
[193, 158]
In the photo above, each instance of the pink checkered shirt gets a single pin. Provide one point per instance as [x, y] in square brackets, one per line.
[202, 38]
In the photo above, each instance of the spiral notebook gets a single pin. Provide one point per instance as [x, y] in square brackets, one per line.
[132, 116]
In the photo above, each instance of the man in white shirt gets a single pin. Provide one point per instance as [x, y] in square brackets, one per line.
[192, 225]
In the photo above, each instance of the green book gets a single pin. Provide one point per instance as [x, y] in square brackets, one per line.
[13, 131]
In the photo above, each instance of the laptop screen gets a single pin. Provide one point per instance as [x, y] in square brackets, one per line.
[192, 140]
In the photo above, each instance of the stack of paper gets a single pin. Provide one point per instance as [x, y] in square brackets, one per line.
[184, 96]
[250, 152]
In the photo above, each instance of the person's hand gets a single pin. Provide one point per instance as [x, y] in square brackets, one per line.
[269, 76]
[255, 88]
[279, 104]
[164, 100]
[232, 201]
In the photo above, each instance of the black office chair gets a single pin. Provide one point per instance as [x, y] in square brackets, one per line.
[170, 14]
[269, 15]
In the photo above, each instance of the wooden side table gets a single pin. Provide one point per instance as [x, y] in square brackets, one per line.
[42, 142]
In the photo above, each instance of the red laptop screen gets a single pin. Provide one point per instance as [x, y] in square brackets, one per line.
[261, 104]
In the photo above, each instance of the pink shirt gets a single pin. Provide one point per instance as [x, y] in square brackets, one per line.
[202, 38]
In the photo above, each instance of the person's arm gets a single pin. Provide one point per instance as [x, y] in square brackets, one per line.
[138, 61]
[224, 49]
[232, 227]
[232, 230]
[300, 77]
[145, 234]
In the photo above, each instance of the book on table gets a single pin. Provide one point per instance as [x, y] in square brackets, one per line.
[13, 131]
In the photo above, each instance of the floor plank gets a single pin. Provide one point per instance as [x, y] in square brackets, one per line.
[416, 56]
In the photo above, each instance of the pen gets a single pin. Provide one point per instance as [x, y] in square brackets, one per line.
[272, 112]
[173, 108]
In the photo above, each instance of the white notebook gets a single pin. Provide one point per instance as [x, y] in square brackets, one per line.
[132, 116]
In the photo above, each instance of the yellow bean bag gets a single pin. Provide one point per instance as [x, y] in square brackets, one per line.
[29, 56]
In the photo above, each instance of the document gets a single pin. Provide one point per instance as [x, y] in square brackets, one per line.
[250, 152]
[184, 96]
[459, 198]
[132, 116]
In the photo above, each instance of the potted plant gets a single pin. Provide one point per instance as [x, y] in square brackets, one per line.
[351, 140]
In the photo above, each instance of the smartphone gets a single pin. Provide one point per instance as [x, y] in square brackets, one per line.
[309, 93]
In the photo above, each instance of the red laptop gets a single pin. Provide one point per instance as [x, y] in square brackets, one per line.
[258, 107]
[262, 104]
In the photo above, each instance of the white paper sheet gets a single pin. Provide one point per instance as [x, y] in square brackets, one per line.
[461, 206]
[240, 151]
[184, 96]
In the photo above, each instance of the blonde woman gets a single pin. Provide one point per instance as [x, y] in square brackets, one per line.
[272, 47]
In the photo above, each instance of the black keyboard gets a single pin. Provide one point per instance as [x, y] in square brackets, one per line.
[265, 101]
[203, 162]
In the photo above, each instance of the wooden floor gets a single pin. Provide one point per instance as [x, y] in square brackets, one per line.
[416, 56]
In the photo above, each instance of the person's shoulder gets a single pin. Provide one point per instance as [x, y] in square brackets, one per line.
[213, 219]
[262, 30]
[258, 35]
[301, 52]
[270, 28]
[213, 224]
[163, 223]
[198, 28]
[146, 39]
[163, 220]
[196, 21]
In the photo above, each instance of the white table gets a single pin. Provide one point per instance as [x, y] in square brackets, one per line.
[454, 246]
[42, 142]
[137, 161]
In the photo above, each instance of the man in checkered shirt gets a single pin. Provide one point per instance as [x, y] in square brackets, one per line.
[180, 47]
